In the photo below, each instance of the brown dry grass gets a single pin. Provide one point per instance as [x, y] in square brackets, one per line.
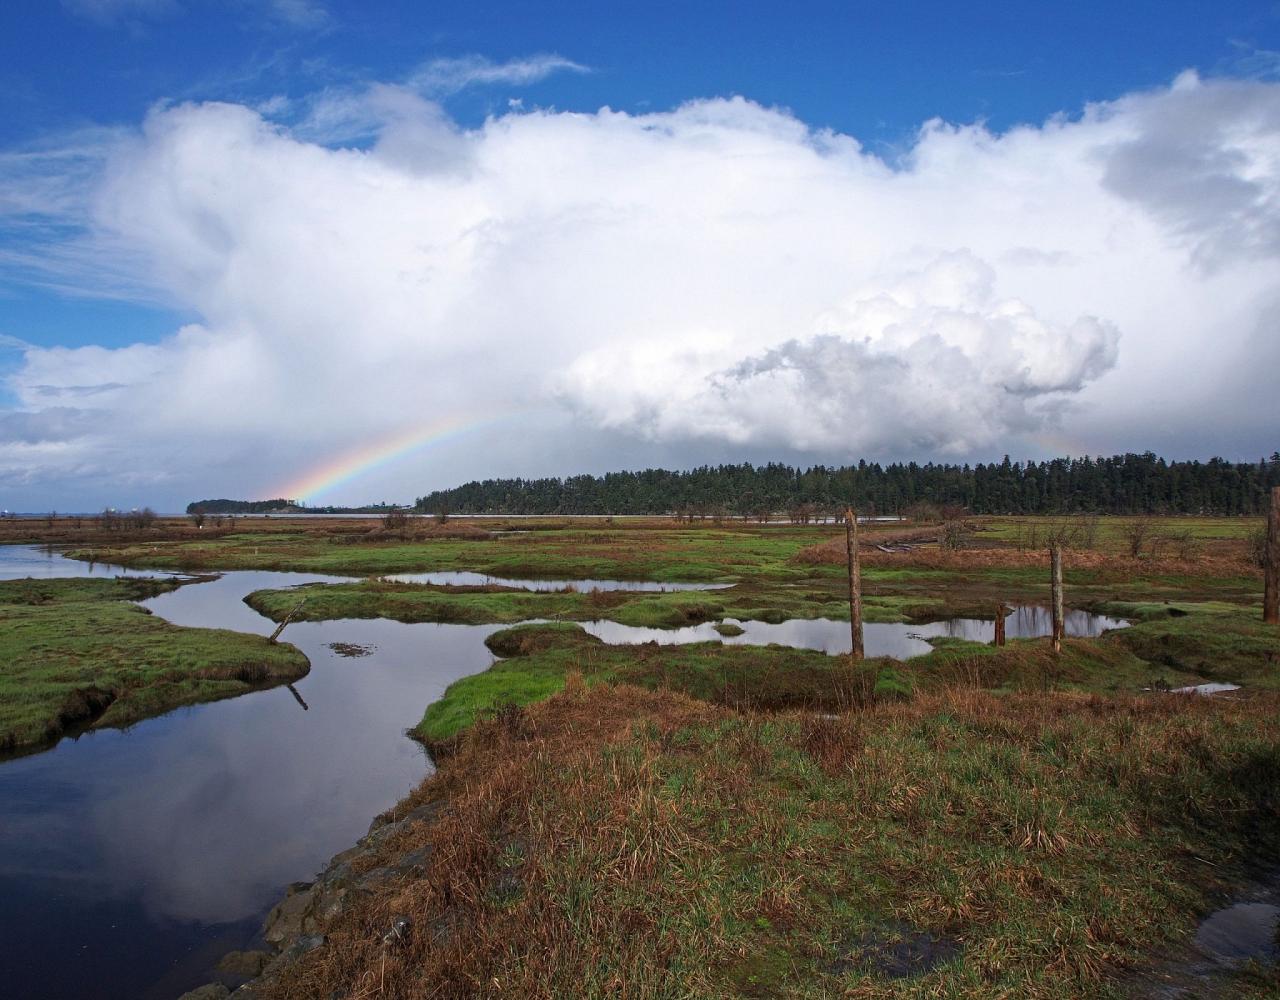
[493, 827]
[1049, 834]
[1226, 560]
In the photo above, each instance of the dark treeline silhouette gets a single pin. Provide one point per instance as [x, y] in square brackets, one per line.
[237, 506]
[1123, 484]
[277, 506]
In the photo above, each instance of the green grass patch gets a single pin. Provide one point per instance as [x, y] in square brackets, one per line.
[79, 652]
[537, 657]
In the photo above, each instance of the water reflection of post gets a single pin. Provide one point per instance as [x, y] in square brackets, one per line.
[1055, 569]
[855, 583]
[294, 691]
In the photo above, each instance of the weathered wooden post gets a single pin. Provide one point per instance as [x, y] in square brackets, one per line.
[287, 619]
[855, 584]
[1000, 612]
[1271, 595]
[1055, 569]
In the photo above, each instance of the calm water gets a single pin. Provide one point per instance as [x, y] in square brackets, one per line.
[464, 579]
[131, 861]
[18, 561]
[879, 639]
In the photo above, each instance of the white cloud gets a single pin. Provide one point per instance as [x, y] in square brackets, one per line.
[450, 75]
[299, 13]
[111, 11]
[716, 276]
[304, 14]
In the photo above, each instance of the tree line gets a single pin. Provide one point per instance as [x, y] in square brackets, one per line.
[1121, 484]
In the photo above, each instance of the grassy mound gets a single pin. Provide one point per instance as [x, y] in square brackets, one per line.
[538, 657]
[77, 652]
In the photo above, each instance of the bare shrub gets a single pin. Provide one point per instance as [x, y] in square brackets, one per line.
[923, 511]
[197, 518]
[954, 529]
[1086, 531]
[1258, 547]
[1137, 534]
[1186, 545]
[395, 520]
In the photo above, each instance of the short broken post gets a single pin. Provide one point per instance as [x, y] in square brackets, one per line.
[1000, 613]
[1271, 563]
[855, 584]
[1055, 569]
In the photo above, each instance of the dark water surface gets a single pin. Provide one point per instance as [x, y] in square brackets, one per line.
[131, 861]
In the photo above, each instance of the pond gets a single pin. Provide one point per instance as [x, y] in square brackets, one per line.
[130, 861]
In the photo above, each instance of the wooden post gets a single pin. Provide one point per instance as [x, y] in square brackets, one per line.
[1055, 564]
[1271, 595]
[855, 584]
[1000, 610]
[287, 618]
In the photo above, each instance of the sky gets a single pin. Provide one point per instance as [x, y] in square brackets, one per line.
[352, 252]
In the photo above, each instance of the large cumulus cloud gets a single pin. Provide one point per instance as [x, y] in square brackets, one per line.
[715, 276]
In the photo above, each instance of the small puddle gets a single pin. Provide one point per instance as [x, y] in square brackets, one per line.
[1240, 933]
[1212, 688]
[897, 952]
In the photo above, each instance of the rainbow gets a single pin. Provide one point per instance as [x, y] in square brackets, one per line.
[335, 472]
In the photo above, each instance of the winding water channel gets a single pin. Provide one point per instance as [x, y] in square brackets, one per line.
[130, 861]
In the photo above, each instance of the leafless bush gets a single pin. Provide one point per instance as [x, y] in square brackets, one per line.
[197, 518]
[802, 513]
[952, 536]
[1079, 532]
[923, 512]
[1186, 545]
[1137, 534]
[1258, 547]
[395, 520]
[1086, 531]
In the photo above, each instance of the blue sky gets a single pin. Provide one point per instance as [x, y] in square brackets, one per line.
[872, 70]
[131, 209]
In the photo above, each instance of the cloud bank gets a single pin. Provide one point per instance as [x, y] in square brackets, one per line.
[718, 279]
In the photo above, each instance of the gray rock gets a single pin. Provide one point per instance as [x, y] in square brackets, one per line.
[244, 963]
[289, 916]
[210, 991]
[398, 935]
